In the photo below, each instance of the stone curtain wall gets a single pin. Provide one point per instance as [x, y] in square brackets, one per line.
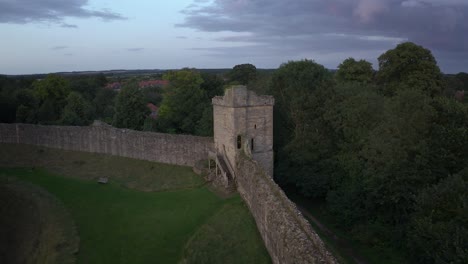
[165, 148]
[287, 235]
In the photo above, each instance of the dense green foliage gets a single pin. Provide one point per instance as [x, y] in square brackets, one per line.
[77, 111]
[409, 66]
[243, 74]
[130, 108]
[182, 105]
[376, 151]
[296, 87]
[80, 99]
[186, 105]
[53, 100]
[104, 104]
[351, 70]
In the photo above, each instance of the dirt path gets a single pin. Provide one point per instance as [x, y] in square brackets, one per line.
[341, 245]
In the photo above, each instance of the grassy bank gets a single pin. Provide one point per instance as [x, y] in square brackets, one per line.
[128, 223]
[35, 227]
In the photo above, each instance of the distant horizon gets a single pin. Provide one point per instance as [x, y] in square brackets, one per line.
[90, 35]
[162, 69]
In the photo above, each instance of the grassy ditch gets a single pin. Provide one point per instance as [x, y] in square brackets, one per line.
[125, 221]
[35, 227]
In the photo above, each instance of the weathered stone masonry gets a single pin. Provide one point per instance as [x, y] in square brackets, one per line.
[287, 235]
[166, 148]
[243, 135]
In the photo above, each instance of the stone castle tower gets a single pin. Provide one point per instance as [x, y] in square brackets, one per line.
[244, 120]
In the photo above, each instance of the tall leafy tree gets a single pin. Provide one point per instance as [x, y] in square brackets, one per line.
[183, 103]
[28, 104]
[409, 66]
[104, 104]
[212, 86]
[130, 108]
[351, 70]
[243, 73]
[7, 107]
[52, 93]
[78, 111]
[303, 148]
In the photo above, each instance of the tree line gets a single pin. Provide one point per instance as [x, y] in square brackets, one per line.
[386, 149]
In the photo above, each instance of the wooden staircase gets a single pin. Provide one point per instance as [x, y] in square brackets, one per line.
[225, 172]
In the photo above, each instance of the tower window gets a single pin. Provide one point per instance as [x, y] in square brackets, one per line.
[252, 144]
[255, 126]
[239, 142]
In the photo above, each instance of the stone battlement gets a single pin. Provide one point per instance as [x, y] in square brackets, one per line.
[239, 96]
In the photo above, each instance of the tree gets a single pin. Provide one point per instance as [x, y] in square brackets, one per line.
[409, 66]
[351, 70]
[77, 112]
[300, 89]
[243, 74]
[52, 93]
[183, 102]
[28, 104]
[153, 95]
[439, 232]
[395, 153]
[104, 104]
[448, 137]
[261, 85]
[130, 108]
[212, 86]
[7, 108]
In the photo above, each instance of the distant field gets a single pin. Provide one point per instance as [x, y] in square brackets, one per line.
[116, 224]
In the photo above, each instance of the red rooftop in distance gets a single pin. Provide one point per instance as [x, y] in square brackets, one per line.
[153, 83]
[154, 110]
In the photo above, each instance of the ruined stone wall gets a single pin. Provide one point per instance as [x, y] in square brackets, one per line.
[165, 148]
[287, 235]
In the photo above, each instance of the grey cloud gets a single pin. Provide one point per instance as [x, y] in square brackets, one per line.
[59, 48]
[135, 49]
[65, 25]
[334, 25]
[31, 11]
[181, 37]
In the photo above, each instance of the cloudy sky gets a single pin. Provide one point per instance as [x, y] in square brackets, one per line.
[40, 36]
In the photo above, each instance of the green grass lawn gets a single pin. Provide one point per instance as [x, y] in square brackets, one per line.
[117, 223]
